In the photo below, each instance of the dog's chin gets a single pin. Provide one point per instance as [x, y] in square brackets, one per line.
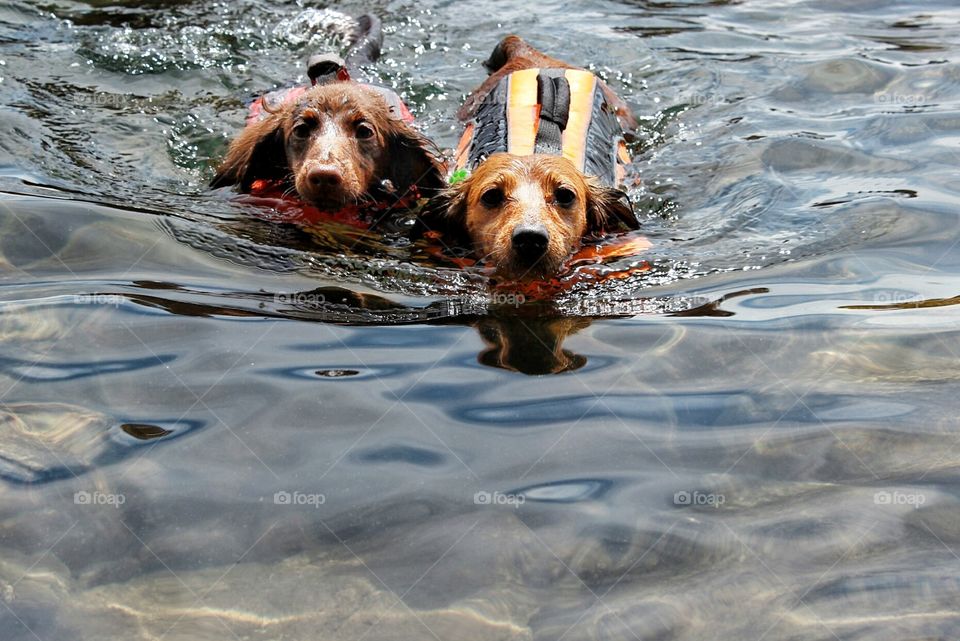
[513, 269]
[327, 201]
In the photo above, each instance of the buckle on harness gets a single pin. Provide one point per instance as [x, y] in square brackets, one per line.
[326, 67]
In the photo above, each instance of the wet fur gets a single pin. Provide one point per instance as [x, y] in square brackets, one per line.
[271, 150]
[460, 214]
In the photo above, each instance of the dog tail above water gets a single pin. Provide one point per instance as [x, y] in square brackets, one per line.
[367, 42]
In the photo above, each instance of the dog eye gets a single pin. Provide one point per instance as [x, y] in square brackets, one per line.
[302, 129]
[564, 197]
[363, 130]
[492, 197]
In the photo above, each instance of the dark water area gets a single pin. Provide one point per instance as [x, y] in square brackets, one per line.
[215, 426]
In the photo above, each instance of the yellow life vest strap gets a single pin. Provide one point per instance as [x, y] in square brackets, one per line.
[555, 111]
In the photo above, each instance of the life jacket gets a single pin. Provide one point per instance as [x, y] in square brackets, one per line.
[283, 207]
[561, 112]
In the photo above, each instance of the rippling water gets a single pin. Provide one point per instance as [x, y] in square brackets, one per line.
[214, 426]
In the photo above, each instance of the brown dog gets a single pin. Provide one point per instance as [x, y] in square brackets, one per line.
[336, 144]
[545, 143]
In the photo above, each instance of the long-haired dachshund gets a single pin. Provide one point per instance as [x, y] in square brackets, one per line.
[544, 148]
[339, 142]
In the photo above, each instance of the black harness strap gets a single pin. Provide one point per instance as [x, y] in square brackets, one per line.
[553, 94]
[490, 133]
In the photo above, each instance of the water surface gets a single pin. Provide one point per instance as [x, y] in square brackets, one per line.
[213, 426]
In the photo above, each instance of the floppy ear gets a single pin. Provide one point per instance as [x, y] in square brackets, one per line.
[257, 153]
[608, 209]
[447, 213]
[412, 160]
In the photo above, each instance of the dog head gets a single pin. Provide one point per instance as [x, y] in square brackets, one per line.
[525, 215]
[335, 145]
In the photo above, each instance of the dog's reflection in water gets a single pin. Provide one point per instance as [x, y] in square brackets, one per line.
[527, 339]
[530, 345]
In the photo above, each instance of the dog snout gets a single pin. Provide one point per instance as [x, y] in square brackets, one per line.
[530, 242]
[325, 177]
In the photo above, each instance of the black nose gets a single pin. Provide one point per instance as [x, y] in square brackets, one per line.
[529, 242]
[325, 177]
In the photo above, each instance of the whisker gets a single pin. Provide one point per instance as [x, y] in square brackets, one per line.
[485, 257]
[366, 198]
